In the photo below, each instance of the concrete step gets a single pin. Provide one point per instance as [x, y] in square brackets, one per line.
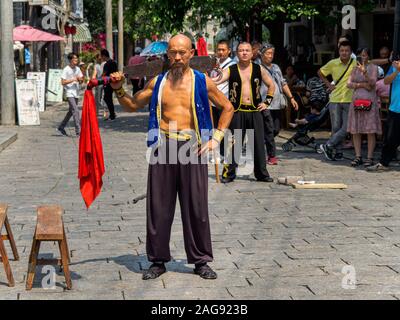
[7, 138]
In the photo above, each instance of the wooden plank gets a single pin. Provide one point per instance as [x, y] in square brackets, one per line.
[49, 223]
[45, 262]
[148, 69]
[320, 186]
[152, 68]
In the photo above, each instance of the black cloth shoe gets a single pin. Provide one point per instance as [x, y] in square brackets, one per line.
[112, 117]
[227, 180]
[155, 270]
[205, 272]
[62, 132]
[266, 179]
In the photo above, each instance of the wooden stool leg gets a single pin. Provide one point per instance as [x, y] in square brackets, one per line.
[64, 259]
[7, 268]
[66, 243]
[11, 239]
[32, 264]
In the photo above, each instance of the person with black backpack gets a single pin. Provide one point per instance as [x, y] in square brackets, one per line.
[339, 100]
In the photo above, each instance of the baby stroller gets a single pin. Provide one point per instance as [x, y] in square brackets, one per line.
[301, 136]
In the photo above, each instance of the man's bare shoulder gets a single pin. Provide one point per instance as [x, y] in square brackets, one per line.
[152, 83]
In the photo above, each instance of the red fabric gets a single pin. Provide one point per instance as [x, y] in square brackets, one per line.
[202, 47]
[91, 161]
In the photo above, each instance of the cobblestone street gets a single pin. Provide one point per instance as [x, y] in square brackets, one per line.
[270, 241]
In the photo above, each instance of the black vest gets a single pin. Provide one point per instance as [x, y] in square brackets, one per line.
[235, 85]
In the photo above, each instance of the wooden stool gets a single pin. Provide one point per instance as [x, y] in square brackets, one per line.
[10, 238]
[49, 227]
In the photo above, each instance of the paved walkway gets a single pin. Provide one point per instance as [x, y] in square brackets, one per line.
[270, 241]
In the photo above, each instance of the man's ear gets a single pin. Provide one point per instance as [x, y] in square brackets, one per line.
[192, 51]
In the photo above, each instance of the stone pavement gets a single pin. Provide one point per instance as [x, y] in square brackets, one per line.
[270, 241]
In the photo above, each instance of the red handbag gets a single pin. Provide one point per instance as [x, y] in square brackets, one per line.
[362, 105]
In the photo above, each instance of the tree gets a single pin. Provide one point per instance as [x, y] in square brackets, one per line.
[144, 18]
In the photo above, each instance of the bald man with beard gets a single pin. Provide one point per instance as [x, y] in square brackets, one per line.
[179, 114]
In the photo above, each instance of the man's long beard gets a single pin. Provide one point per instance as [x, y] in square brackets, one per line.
[176, 72]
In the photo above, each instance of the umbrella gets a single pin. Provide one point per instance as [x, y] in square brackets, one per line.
[155, 49]
[28, 33]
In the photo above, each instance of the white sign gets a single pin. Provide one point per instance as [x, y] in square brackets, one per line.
[40, 78]
[54, 87]
[27, 103]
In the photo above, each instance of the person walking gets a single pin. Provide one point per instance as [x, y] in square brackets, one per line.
[364, 115]
[110, 67]
[71, 78]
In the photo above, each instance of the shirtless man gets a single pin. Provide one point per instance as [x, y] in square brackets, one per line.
[172, 101]
[245, 79]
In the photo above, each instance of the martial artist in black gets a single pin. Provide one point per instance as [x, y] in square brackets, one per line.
[247, 117]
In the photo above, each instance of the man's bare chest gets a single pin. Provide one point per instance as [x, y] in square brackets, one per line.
[174, 95]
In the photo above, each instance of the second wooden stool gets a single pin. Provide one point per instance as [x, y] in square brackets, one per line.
[9, 237]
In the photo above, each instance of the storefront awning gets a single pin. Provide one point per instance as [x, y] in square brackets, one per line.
[82, 33]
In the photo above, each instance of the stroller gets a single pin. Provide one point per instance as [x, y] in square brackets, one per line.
[301, 136]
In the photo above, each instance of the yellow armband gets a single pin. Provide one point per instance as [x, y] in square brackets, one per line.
[120, 92]
[218, 135]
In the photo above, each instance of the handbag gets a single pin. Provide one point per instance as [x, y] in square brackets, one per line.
[362, 105]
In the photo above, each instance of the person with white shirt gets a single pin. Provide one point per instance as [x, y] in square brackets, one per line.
[71, 79]
[224, 60]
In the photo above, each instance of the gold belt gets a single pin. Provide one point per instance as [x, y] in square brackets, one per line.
[179, 135]
[247, 108]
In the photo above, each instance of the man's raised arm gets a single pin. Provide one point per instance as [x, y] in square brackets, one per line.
[129, 103]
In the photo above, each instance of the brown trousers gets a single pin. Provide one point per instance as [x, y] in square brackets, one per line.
[190, 183]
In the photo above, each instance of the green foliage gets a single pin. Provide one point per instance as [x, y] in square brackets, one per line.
[88, 56]
[145, 18]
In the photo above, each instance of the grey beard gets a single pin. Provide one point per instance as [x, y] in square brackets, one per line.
[176, 73]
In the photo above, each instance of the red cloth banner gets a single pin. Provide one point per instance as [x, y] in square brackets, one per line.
[91, 161]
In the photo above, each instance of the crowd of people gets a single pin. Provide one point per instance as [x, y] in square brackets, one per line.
[352, 86]
[247, 93]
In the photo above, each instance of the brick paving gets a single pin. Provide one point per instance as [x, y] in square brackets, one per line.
[270, 241]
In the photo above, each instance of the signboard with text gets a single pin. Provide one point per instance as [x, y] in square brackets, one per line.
[27, 102]
[54, 87]
[40, 78]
